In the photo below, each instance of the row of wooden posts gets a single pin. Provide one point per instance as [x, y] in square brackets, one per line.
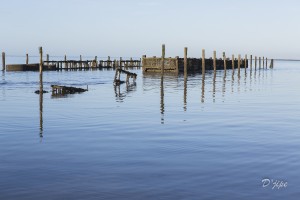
[75, 64]
[260, 59]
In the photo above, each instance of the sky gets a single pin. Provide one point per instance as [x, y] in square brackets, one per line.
[132, 28]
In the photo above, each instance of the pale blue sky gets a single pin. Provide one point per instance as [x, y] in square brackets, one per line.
[135, 27]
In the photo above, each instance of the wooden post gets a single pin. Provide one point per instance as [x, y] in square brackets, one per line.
[272, 64]
[120, 63]
[108, 61]
[263, 62]
[41, 60]
[259, 62]
[185, 60]
[163, 50]
[255, 62]
[266, 63]
[239, 63]
[47, 58]
[66, 66]
[3, 61]
[246, 62]
[214, 61]
[96, 61]
[27, 59]
[233, 62]
[224, 58]
[250, 61]
[203, 61]
[80, 61]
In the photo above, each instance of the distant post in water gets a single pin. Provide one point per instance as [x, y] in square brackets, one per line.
[250, 61]
[3, 61]
[224, 59]
[232, 60]
[80, 61]
[259, 62]
[185, 61]
[108, 61]
[96, 61]
[214, 61]
[66, 66]
[266, 63]
[120, 63]
[203, 61]
[239, 63]
[41, 60]
[27, 59]
[246, 62]
[163, 54]
[255, 62]
[47, 59]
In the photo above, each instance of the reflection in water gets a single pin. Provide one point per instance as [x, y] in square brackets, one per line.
[224, 85]
[41, 105]
[185, 93]
[203, 88]
[162, 99]
[232, 82]
[214, 87]
[120, 96]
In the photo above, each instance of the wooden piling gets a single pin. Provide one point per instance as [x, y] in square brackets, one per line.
[163, 50]
[246, 62]
[239, 63]
[27, 59]
[263, 62]
[185, 60]
[96, 61]
[255, 62]
[66, 65]
[266, 63]
[203, 61]
[224, 59]
[259, 62]
[47, 58]
[120, 63]
[41, 59]
[214, 61]
[250, 61]
[3, 61]
[232, 60]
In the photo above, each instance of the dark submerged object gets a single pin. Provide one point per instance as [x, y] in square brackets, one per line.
[57, 89]
[38, 91]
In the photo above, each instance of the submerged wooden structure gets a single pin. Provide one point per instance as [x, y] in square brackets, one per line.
[118, 81]
[62, 90]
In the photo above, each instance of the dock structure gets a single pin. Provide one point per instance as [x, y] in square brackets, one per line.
[176, 65]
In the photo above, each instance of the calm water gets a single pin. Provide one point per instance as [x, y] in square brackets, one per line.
[170, 138]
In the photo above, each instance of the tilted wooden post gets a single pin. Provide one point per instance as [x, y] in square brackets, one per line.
[224, 58]
[3, 61]
[163, 52]
[214, 61]
[185, 61]
[203, 61]
[27, 59]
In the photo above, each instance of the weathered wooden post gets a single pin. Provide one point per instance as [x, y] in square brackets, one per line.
[3, 61]
[224, 59]
[120, 63]
[108, 61]
[266, 63]
[41, 63]
[66, 65]
[27, 59]
[239, 63]
[272, 64]
[185, 61]
[80, 64]
[250, 61]
[96, 61]
[47, 58]
[203, 61]
[233, 62]
[255, 62]
[214, 61]
[259, 62]
[246, 62]
[163, 51]
[263, 62]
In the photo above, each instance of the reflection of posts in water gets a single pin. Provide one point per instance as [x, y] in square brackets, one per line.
[239, 64]
[162, 99]
[185, 93]
[214, 87]
[203, 88]
[41, 91]
[224, 85]
[232, 82]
